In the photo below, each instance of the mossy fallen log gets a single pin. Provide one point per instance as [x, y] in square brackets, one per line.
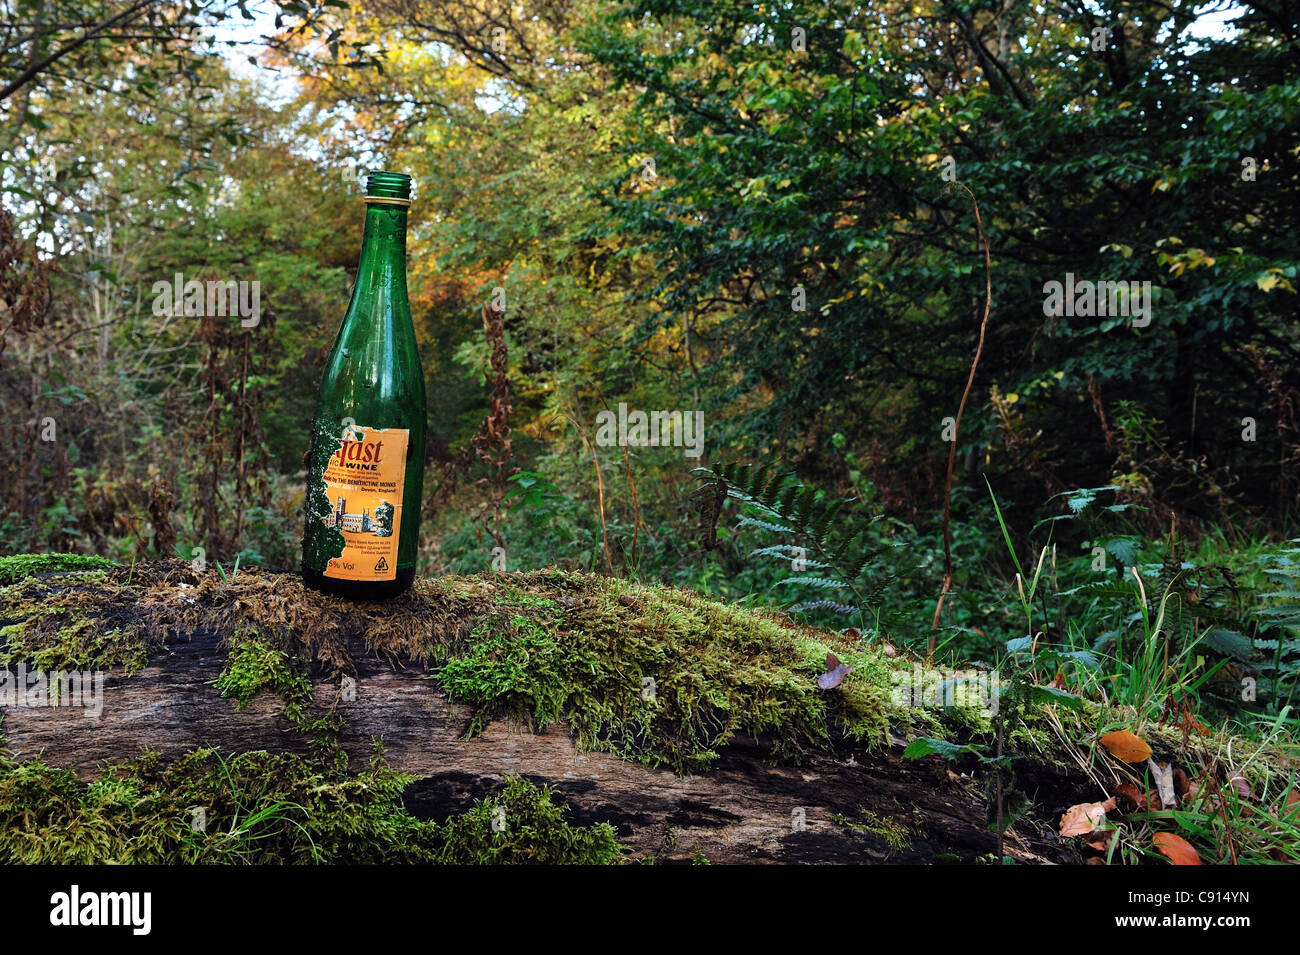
[512, 717]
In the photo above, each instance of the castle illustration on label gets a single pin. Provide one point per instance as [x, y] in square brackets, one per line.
[352, 523]
[380, 524]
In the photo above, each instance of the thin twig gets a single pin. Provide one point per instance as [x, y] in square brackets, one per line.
[636, 505]
[961, 408]
[600, 492]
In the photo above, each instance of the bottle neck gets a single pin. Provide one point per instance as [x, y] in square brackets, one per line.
[383, 250]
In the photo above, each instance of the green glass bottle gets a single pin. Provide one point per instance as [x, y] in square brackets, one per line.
[365, 471]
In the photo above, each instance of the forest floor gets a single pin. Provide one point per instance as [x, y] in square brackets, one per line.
[547, 716]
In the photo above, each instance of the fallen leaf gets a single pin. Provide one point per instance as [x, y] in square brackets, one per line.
[889, 649]
[1178, 849]
[1292, 802]
[1123, 745]
[1163, 776]
[853, 633]
[1059, 682]
[1084, 818]
[835, 672]
[1182, 785]
[1100, 839]
[1133, 797]
[1239, 783]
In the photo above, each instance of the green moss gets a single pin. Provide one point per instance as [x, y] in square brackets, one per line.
[253, 807]
[511, 663]
[664, 676]
[82, 644]
[253, 665]
[523, 825]
[895, 835]
[259, 808]
[513, 598]
[21, 566]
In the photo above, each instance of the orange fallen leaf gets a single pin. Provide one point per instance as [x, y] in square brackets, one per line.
[1082, 819]
[1125, 746]
[1178, 849]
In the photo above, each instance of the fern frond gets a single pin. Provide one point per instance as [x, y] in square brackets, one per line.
[826, 583]
[747, 521]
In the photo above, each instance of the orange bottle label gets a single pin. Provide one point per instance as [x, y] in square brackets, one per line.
[364, 482]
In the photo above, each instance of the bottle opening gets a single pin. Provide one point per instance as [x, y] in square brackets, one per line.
[388, 185]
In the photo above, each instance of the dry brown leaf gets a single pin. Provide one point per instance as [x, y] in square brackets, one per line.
[1084, 818]
[1133, 798]
[1123, 745]
[1100, 839]
[888, 649]
[1178, 849]
[835, 672]
[1239, 783]
[1182, 784]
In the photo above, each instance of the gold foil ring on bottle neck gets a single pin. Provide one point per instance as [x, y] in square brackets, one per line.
[386, 200]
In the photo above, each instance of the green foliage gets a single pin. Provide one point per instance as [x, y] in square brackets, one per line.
[849, 559]
[924, 746]
[821, 168]
[1278, 622]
